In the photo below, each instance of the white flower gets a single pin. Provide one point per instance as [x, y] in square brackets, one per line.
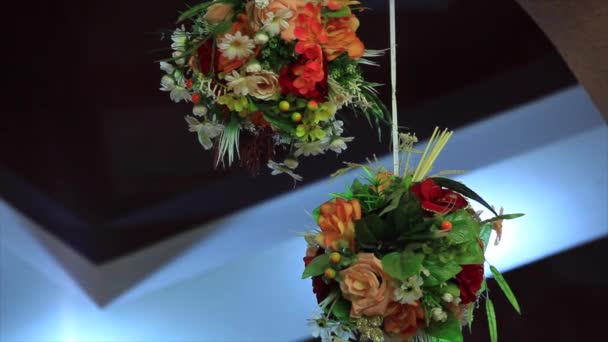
[261, 4]
[329, 331]
[179, 38]
[167, 83]
[253, 67]
[200, 110]
[439, 315]
[338, 127]
[291, 163]
[261, 38]
[409, 291]
[339, 144]
[241, 85]
[178, 61]
[167, 67]
[276, 22]
[236, 46]
[205, 131]
[278, 169]
[180, 93]
[447, 297]
[311, 148]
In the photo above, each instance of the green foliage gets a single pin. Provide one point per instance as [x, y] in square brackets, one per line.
[491, 320]
[448, 330]
[276, 54]
[341, 309]
[464, 227]
[316, 213]
[470, 309]
[440, 272]
[506, 289]
[317, 266]
[484, 235]
[463, 190]
[504, 217]
[469, 253]
[402, 265]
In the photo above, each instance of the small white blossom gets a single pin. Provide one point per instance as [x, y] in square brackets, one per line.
[409, 291]
[261, 38]
[179, 38]
[339, 144]
[439, 315]
[179, 94]
[167, 83]
[338, 127]
[253, 67]
[329, 331]
[278, 169]
[178, 61]
[277, 22]
[447, 297]
[261, 4]
[311, 148]
[167, 67]
[205, 131]
[200, 110]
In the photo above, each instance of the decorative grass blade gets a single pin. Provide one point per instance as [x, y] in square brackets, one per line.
[491, 320]
[506, 289]
[463, 190]
[504, 217]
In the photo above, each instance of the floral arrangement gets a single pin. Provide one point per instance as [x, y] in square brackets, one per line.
[401, 257]
[267, 77]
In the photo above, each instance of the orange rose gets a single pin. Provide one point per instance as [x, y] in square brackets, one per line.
[342, 38]
[219, 12]
[337, 222]
[366, 286]
[402, 319]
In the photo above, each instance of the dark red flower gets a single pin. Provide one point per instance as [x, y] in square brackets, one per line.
[316, 89]
[437, 199]
[204, 57]
[469, 281]
[319, 287]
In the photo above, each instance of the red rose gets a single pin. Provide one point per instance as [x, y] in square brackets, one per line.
[469, 281]
[319, 287]
[437, 199]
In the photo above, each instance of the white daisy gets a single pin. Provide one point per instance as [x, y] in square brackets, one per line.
[278, 169]
[277, 22]
[236, 46]
[311, 148]
[339, 144]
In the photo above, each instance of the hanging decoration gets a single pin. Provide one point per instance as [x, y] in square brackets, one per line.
[399, 256]
[267, 77]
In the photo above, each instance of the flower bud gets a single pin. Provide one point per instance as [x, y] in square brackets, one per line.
[253, 67]
[261, 38]
[447, 297]
[291, 163]
[330, 273]
[199, 110]
[335, 257]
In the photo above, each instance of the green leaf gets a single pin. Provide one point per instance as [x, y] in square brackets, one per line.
[343, 12]
[484, 235]
[379, 228]
[463, 190]
[363, 234]
[317, 266]
[506, 289]
[491, 320]
[470, 309]
[341, 309]
[402, 265]
[316, 213]
[465, 228]
[283, 125]
[469, 253]
[221, 28]
[394, 200]
[440, 272]
[448, 330]
[504, 217]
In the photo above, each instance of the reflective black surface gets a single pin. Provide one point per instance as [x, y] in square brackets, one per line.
[93, 151]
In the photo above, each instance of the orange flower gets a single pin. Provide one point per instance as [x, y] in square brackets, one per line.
[366, 286]
[341, 37]
[337, 222]
[309, 30]
[219, 12]
[403, 319]
[384, 179]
